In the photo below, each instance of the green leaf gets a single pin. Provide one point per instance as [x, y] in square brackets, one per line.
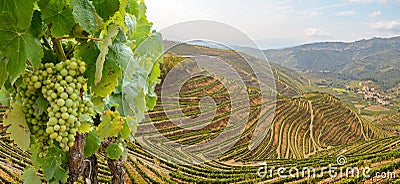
[117, 99]
[140, 79]
[98, 104]
[112, 31]
[51, 165]
[30, 176]
[4, 97]
[85, 14]
[36, 160]
[114, 151]
[36, 25]
[60, 175]
[111, 73]
[59, 14]
[110, 126]
[84, 128]
[88, 52]
[106, 8]
[92, 144]
[3, 70]
[126, 131]
[18, 46]
[41, 104]
[19, 130]
[22, 10]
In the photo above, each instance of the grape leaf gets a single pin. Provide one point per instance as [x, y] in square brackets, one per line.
[106, 8]
[141, 76]
[41, 104]
[88, 52]
[126, 131]
[130, 23]
[30, 176]
[18, 129]
[59, 14]
[92, 144]
[111, 73]
[59, 175]
[36, 25]
[109, 126]
[51, 165]
[22, 10]
[84, 128]
[112, 31]
[117, 99]
[4, 97]
[114, 151]
[3, 70]
[143, 27]
[18, 46]
[85, 14]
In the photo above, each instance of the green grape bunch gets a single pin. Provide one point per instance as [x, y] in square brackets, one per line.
[61, 85]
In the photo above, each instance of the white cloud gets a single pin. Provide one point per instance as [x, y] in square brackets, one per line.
[375, 14]
[310, 14]
[315, 32]
[390, 26]
[346, 13]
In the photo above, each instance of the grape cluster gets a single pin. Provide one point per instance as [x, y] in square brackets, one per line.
[62, 86]
[36, 121]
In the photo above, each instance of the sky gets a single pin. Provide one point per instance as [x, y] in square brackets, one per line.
[284, 23]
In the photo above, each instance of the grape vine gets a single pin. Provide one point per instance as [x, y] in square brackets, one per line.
[63, 68]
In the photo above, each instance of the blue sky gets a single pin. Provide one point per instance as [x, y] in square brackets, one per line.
[283, 23]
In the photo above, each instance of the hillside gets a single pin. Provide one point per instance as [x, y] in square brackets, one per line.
[377, 59]
[308, 129]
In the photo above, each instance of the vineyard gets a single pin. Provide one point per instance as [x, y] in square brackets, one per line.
[308, 129]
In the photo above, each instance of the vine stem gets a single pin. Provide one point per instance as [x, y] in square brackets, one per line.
[76, 161]
[80, 37]
[57, 45]
[116, 166]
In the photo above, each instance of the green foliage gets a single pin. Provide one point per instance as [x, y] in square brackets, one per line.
[112, 31]
[92, 144]
[106, 8]
[37, 40]
[110, 126]
[30, 176]
[18, 129]
[114, 151]
[59, 15]
[21, 10]
[85, 15]
[19, 46]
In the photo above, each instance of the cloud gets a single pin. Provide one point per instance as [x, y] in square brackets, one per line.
[390, 26]
[315, 32]
[346, 13]
[375, 14]
[310, 14]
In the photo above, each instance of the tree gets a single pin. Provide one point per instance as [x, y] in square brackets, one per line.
[78, 76]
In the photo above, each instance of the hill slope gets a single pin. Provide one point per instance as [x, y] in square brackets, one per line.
[308, 129]
[377, 59]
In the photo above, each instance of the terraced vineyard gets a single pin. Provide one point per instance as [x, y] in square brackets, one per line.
[309, 129]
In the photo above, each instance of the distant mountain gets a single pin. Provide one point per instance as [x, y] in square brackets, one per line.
[377, 59]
